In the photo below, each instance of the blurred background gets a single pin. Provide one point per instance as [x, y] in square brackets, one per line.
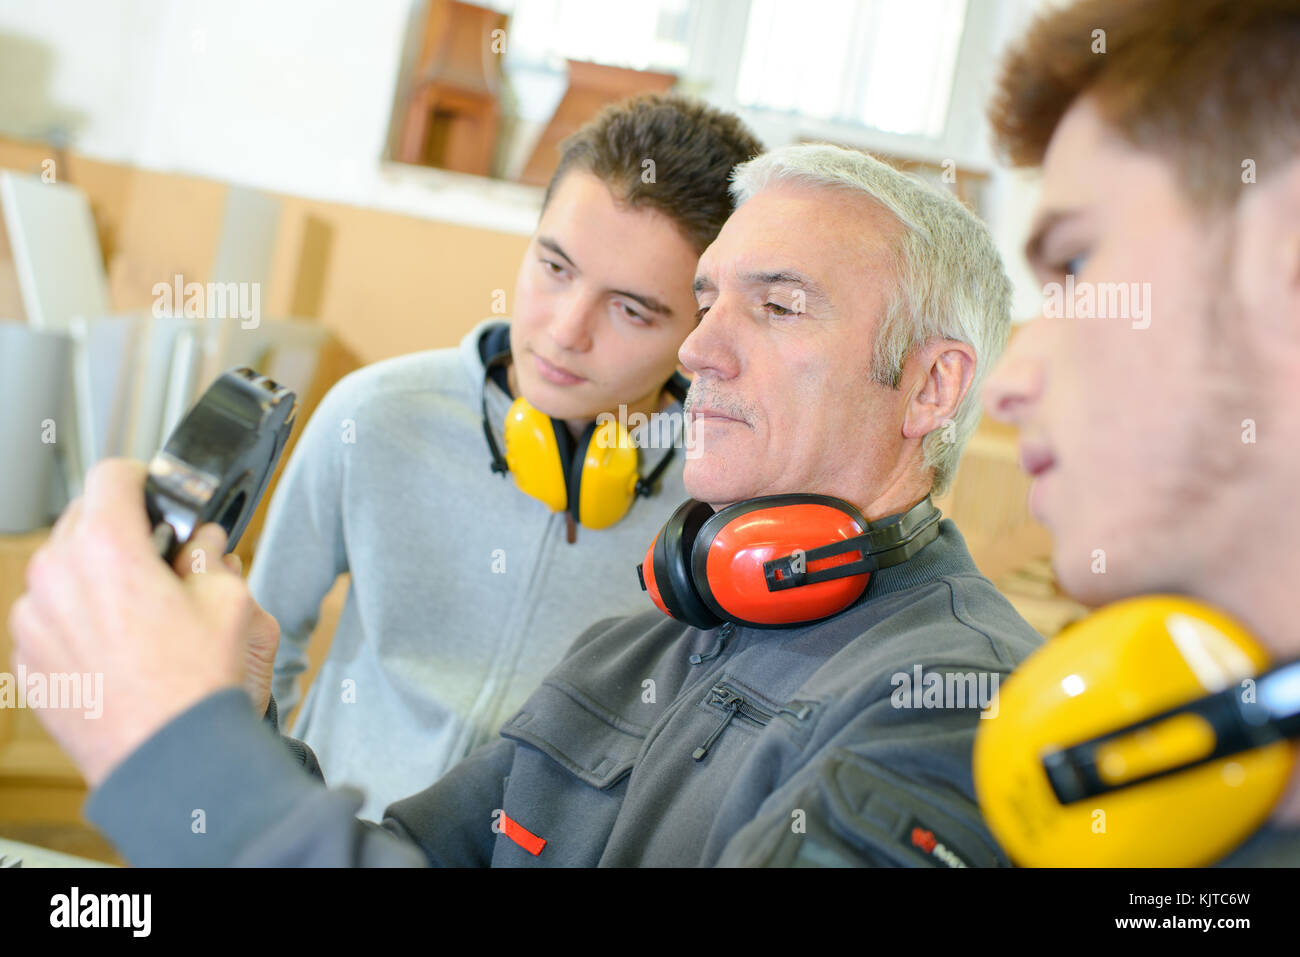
[359, 181]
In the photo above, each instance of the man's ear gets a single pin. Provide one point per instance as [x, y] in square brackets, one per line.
[1266, 261]
[947, 368]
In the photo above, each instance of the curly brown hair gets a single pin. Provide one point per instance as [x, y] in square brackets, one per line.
[1207, 84]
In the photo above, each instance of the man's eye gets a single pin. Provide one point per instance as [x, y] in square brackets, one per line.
[554, 268]
[1073, 267]
[635, 316]
[778, 310]
[699, 313]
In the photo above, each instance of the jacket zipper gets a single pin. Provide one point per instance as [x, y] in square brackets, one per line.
[728, 698]
[724, 633]
[732, 708]
[513, 636]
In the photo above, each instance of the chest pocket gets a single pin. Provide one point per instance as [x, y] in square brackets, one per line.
[592, 743]
[729, 699]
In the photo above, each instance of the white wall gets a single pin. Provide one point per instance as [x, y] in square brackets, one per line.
[295, 96]
[1013, 195]
[292, 96]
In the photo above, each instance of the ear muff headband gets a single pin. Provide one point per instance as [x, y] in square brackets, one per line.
[1207, 729]
[573, 465]
[1139, 736]
[889, 541]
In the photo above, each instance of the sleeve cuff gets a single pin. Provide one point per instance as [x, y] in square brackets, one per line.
[201, 789]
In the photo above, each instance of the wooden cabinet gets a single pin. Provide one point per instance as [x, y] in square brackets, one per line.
[592, 87]
[452, 116]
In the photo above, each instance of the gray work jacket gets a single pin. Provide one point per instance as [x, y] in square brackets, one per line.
[847, 741]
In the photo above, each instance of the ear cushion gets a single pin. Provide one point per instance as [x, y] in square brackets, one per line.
[604, 474]
[537, 454]
[671, 565]
[1124, 664]
[728, 553]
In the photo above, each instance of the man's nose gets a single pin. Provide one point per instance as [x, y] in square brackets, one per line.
[710, 349]
[1016, 384]
[570, 325]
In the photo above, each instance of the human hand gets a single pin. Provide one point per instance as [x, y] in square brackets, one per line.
[100, 607]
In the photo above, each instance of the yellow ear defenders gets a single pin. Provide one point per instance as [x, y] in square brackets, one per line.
[1148, 734]
[594, 479]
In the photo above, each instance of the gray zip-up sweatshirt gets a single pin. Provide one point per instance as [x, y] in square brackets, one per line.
[464, 591]
[651, 743]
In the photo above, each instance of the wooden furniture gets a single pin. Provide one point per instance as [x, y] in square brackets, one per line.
[592, 86]
[452, 115]
[988, 500]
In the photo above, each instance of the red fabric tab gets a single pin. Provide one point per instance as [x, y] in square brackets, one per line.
[529, 841]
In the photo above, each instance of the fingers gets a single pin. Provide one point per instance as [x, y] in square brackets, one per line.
[114, 501]
[221, 595]
[215, 589]
[24, 625]
[33, 637]
[208, 542]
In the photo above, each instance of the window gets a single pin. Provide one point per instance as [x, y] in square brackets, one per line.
[904, 77]
[645, 35]
[874, 63]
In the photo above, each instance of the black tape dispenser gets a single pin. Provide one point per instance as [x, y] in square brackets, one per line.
[218, 461]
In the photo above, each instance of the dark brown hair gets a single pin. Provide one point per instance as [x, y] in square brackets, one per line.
[1207, 84]
[693, 148]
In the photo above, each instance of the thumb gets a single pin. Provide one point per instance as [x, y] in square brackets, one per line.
[114, 498]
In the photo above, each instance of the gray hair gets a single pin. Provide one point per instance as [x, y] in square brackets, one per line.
[951, 283]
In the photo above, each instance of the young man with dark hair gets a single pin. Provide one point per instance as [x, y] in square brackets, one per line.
[465, 588]
[1169, 139]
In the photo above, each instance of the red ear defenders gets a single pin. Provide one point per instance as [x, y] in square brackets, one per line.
[775, 561]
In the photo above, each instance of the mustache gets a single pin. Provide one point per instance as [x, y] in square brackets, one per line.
[703, 393]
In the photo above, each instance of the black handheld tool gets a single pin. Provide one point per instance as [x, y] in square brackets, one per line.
[216, 464]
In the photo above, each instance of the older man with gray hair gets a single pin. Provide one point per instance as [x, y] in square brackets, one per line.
[829, 648]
